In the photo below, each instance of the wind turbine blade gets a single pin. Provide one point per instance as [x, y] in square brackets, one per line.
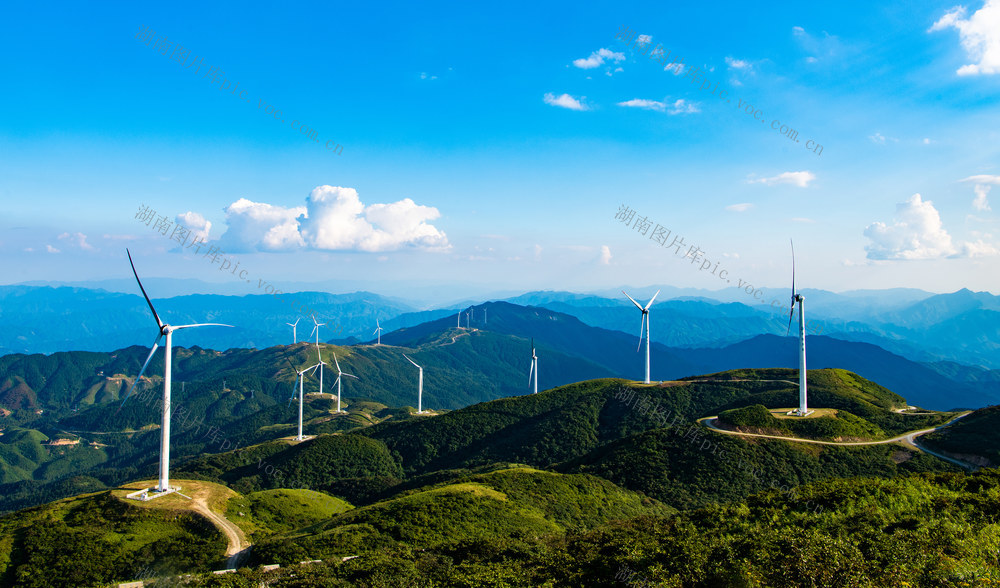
[156, 344]
[531, 371]
[336, 362]
[410, 360]
[642, 326]
[637, 305]
[793, 267]
[790, 314]
[200, 325]
[651, 300]
[351, 376]
[159, 323]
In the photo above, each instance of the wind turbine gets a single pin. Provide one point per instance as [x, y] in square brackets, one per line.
[644, 324]
[165, 331]
[420, 386]
[340, 374]
[301, 375]
[316, 330]
[458, 320]
[292, 325]
[378, 331]
[485, 316]
[803, 409]
[534, 368]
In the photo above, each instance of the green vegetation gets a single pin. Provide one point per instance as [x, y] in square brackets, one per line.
[975, 435]
[921, 530]
[842, 427]
[279, 511]
[485, 507]
[96, 539]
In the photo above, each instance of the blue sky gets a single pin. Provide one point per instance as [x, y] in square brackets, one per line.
[491, 146]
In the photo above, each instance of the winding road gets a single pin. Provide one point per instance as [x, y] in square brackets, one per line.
[906, 438]
[238, 542]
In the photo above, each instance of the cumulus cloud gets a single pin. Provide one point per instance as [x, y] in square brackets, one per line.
[979, 34]
[605, 255]
[676, 67]
[334, 218]
[645, 104]
[564, 101]
[915, 233]
[799, 178]
[78, 239]
[51, 249]
[982, 189]
[258, 226]
[742, 207]
[597, 58]
[198, 225]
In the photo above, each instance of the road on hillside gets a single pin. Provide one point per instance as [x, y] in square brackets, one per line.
[238, 542]
[906, 438]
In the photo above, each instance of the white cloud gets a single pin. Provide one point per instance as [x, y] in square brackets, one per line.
[879, 139]
[677, 68]
[597, 58]
[982, 179]
[198, 224]
[646, 104]
[51, 249]
[979, 34]
[333, 218]
[681, 106]
[605, 255]
[78, 239]
[981, 189]
[916, 233]
[644, 39]
[738, 63]
[927, 141]
[425, 76]
[799, 178]
[742, 207]
[827, 47]
[258, 226]
[564, 101]
[980, 202]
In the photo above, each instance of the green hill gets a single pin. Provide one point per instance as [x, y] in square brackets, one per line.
[975, 437]
[97, 539]
[485, 507]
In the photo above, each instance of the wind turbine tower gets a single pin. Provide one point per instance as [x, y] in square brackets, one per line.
[339, 375]
[803, 409]
[165, 330]
[644, 324]
[420, 386]
[378, 331]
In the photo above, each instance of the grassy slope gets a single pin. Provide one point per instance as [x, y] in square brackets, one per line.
[98, 538]
[493, 506]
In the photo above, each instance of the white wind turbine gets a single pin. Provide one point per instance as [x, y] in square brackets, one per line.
[378, 331]
[339, 375]
[165, 331]
[316, 330]
[803, 409]
[302, 377]
[534, 368]
[644, 324]
[292, 325]
[420, 386]
[458, 320]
